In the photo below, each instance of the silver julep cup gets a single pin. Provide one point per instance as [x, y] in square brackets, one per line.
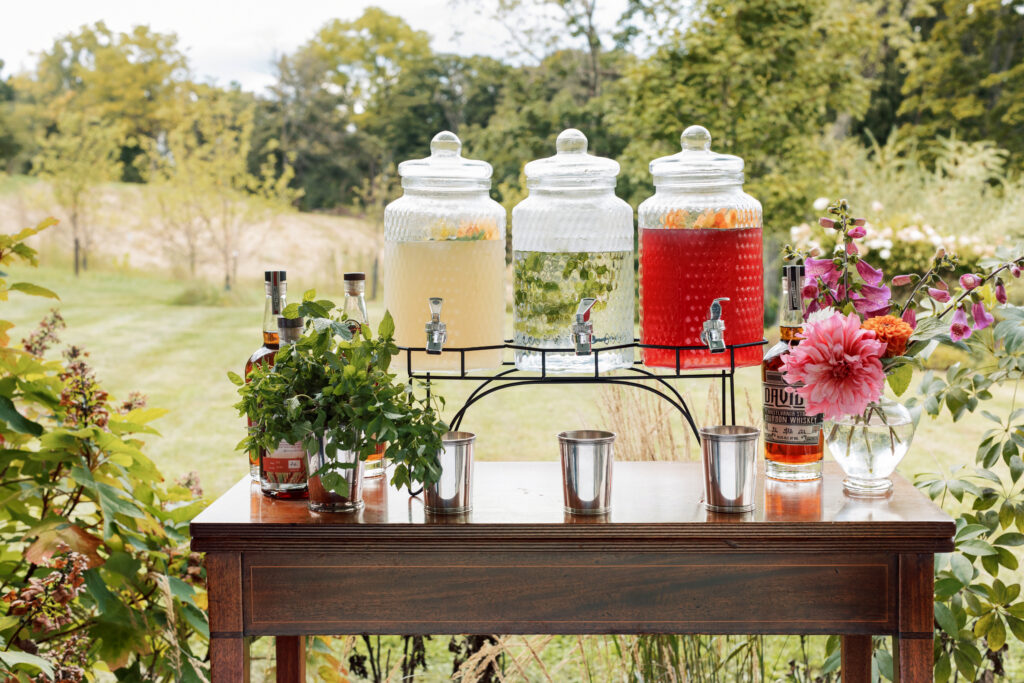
[729, 455]
[453, 492]
[587, 458]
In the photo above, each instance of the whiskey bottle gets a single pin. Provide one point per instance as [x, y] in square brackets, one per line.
[353, 314]
[276, 287]
[283, 470]
[793, 440]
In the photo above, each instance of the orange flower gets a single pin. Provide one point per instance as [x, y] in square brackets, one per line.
[892, 330]
[675, 220]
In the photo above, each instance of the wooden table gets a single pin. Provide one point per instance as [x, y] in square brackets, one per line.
[808, 560]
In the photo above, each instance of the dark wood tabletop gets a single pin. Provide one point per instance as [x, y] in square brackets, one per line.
[809, 559]
[651, 501]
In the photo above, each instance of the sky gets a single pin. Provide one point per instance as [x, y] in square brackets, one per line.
[227, 40]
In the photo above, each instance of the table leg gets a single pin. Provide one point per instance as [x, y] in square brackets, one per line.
[913, 645]
[291, 659]
[856, 662]
[229, 648]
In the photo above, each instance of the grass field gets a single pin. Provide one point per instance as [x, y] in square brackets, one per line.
[178, 355]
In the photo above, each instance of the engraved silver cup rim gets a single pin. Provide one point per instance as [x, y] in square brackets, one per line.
[595, 436]
[729, 433]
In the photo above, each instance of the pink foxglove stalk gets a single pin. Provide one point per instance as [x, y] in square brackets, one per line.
[872, 276]
[969, 281]
[958, 328]
[870, 300]
[940, 295]
[857, 232]
[1000, 292]
[982, 318]
[910, 317]
[839, 364]
[825, 269]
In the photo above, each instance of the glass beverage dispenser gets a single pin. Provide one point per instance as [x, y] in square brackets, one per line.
[572, 238]
[445, 238]
[700, 239]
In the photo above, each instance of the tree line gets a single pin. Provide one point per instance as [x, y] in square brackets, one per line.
[776, 81]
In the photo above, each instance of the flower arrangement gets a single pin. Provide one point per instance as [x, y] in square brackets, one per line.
[859, 333]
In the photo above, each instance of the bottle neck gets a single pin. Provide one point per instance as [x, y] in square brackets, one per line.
[791, 309]
[275, 302]
[355, 307]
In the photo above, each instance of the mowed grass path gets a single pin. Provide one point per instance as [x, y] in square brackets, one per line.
[179, 356]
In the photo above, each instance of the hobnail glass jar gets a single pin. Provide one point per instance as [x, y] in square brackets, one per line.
[700, 239]
[445, 237]
[572, 238]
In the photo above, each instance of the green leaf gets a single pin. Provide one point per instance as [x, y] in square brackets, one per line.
[976, 547]
[1011, 539]
[996, 635]
[946, 619]
[962, 568]
[16, 421]
[386, 329]
[236, 379]
[15, 659]
[34, 290]
[291, 311]
[309, 295]
[900, 378]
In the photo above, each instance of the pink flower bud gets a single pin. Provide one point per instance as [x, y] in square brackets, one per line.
[851, 248]
[940, 253]
[857, 232]
[1000, 293]
[901, 280]
[860, 222]
[827, 222]
[1015, 271]
[909, 317]
[940, 295]
[969, 281]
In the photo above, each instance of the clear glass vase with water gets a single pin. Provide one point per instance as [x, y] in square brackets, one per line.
[870, 445]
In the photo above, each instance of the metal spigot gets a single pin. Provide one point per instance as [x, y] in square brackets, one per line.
[713, 333]
[437, 331]
[582, 328]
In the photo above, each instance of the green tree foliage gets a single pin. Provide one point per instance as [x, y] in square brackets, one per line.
[15, 138]
[208, 198]
[966, 73]
[95, 571]
[130, 79]
[766, 77]
[78, 155]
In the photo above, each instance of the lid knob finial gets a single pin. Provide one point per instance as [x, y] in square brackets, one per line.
[571, 141]
[445, 144]
[695, 138]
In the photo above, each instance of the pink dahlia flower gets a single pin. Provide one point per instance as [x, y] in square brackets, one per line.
[840, 366]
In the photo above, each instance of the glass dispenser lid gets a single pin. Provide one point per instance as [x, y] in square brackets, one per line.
[446, 167]
[697, 161]
[571, 166]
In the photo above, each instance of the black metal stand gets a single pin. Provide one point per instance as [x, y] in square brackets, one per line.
[638, 376]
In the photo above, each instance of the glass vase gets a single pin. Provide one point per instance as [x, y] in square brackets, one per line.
[870, 445]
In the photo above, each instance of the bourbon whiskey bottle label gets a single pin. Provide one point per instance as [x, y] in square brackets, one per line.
[785, 414]
[287, 458]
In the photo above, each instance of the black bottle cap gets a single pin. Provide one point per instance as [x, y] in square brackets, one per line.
[351, 277]
[268, 275]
